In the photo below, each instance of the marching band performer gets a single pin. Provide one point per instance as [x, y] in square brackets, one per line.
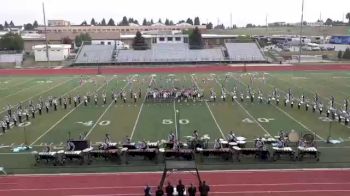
[95, 99]
[171, 137]
[65, 103]
[195, 135]
[127, 140]
[231, 137]
[75, 99]
[104, 99]
[217, 144]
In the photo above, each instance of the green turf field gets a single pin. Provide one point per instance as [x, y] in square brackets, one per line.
[154, 121]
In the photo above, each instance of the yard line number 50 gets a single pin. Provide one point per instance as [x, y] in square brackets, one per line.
[171, 121]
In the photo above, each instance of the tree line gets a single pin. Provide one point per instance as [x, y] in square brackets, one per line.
[127, 21]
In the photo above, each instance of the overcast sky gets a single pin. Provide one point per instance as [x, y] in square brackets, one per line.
[243, 11]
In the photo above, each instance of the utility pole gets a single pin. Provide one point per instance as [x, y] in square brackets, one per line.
[301, 30]
[47, 42]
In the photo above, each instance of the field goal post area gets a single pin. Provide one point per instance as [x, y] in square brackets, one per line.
[182, 170]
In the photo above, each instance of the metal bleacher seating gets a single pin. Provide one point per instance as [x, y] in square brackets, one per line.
[92, 54]
[166, 52]
[248, 52]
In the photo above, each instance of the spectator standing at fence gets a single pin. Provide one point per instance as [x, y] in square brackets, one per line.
[148, 191]
[192, 190]
[169, 190]
[180, 188]
[204, 189]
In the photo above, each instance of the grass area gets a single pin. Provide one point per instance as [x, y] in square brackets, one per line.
[154, 121]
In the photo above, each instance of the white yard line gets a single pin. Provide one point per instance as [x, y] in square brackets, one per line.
[176, 123]
[19, 90]
[101, 116]
[211, 113]
[291, 117]
[42, 92]
[59, 121]
[246, 111]
[300, 123]
[138, 115]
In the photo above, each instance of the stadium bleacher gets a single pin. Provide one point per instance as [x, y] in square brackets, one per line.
[244, 52]
[170, 53]
[92, 54]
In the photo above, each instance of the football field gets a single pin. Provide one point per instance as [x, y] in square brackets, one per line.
[153, 121]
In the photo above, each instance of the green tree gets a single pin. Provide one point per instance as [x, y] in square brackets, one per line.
[67, 40]
[1, 27]
[139, 42]
[83, 37]
[171, 23]
[144, 22]
[111, 22]
[28, 27]
[6, 24]
[348, 17]
[93, 22]
[197, 21]
[12, 24]
[160, 20]
[328, 22]
[250, 25]
[124, 22]
[189, 21]
[195, 39]
[151, 23]
[35, 24]
[103, 22]
[346, 54]
[84, 23]
[11, 41]
[340, 54]
[209, 25]
[167, 22]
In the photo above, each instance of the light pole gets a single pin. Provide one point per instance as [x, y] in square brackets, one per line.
[301, 30]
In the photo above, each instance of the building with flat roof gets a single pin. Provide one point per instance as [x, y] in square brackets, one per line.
[57, 52]
[58, 23]
[117, 29]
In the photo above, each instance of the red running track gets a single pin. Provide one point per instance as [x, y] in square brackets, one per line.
[179, 69]
[222, 183]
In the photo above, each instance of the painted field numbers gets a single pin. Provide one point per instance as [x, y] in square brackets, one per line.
[25, 124]
[170, 121]
[260, 120]
[91, 123]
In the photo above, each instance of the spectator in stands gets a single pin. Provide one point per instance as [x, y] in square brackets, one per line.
[192, 190]
[169, 190]
[148, 191]
[159, 191]
[180, 188]
[204, 189]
